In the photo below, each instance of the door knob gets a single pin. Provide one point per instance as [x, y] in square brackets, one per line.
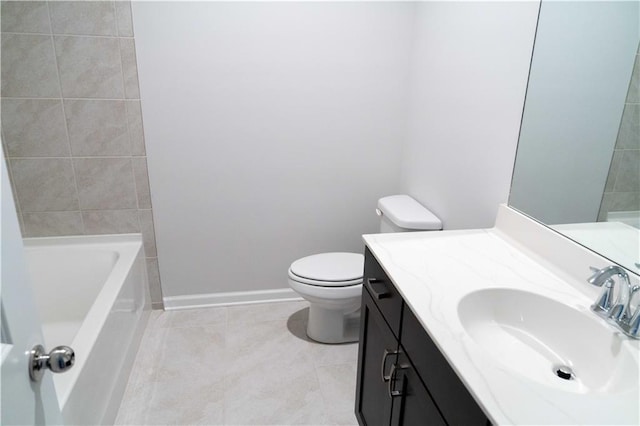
[59, 360]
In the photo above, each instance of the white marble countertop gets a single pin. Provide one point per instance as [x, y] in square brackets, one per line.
[434, 270]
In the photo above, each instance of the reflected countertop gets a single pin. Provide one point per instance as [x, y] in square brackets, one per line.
[614, 240]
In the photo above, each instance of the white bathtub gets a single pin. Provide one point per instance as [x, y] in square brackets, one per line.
[631, 218]
[92, 295]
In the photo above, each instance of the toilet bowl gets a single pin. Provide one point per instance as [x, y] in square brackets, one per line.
[332, 282]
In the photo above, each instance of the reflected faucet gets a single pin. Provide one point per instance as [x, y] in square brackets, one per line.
[618, 312]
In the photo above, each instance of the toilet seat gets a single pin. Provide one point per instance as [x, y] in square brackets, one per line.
[317, 283]
[328, 269]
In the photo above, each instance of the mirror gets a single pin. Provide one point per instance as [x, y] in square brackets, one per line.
[577, 167]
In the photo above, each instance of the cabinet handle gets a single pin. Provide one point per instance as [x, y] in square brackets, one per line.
[392, 379]
[378, 295]
[383, 365]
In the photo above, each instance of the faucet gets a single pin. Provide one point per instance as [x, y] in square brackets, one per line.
[618, 312]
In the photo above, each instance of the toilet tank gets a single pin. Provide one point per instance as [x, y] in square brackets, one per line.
[401, 213]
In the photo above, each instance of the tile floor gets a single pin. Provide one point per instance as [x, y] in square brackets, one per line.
[239, 365]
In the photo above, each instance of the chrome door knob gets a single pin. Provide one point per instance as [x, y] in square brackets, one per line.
[59, 360]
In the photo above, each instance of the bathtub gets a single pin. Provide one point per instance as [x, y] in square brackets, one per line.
[91, 294]
[631, 218]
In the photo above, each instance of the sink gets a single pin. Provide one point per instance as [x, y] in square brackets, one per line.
[549, 342]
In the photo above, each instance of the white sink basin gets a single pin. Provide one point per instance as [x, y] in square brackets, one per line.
[534, 336]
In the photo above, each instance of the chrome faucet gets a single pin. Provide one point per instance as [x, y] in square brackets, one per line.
[618, 312]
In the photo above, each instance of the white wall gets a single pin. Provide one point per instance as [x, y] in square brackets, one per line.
[271, 129]
[469, 75]
[580, 74]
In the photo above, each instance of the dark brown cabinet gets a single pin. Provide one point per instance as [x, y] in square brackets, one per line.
[403, 379]
[378, 347]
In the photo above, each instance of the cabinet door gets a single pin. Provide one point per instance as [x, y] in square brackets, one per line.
[447, 390]
[412, 405]
[377, 353]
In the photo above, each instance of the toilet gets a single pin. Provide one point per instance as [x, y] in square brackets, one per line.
[332, 282]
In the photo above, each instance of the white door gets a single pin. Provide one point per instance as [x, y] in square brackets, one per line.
[23, 401]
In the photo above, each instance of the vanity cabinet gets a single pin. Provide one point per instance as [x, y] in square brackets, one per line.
[403, 379]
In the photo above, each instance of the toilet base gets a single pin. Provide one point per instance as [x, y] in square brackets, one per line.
[328, 326]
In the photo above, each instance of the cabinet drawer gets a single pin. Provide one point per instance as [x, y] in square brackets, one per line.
[452, 398]
[383, 292]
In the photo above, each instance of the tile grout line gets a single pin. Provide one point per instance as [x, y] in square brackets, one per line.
[46, 98]
[54, 34]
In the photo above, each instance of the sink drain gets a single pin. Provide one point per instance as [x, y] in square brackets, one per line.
[564, 372]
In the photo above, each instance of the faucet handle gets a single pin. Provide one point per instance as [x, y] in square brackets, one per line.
[605, 299]
[632, 328]
[621, 311]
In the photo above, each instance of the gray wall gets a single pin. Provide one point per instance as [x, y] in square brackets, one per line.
[72, 124]
[622, 191]
[272, 129]
[468, 79]
[296, 117]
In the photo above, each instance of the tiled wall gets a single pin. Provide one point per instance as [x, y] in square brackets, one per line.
[622, 191]
[72, 122]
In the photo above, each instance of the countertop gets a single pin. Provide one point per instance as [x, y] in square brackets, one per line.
[434, 270]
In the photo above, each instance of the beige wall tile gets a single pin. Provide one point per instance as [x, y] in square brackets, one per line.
[142, 182]
[613, 170]
[629, 134]
[51, 224]
[129, 68]
[633, 96]
[25, 17]
[83, 17]
[28, 66]
[46, 184]
[134, 118]
[153, 273]
[110, 221]
[148, 234]
[89, 67]
[34, 128]
[105, 183]
[124, 18]
[628, 178]
[619, 202]
[97, 128]
[85, 62]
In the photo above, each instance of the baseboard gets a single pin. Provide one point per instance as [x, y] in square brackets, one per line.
[227, 299]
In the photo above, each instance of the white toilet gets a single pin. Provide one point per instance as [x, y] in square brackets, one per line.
[332, 282]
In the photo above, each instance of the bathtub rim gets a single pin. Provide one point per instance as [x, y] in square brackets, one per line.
[129, 247]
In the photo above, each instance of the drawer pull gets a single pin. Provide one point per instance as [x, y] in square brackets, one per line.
[383, 365]
[392, 379]
[377, 294]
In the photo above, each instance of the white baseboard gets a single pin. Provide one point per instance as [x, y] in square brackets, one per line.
[227, 299]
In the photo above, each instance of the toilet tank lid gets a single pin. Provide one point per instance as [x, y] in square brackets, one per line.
[407, 213]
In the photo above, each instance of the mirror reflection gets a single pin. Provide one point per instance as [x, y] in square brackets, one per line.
[577, 167]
